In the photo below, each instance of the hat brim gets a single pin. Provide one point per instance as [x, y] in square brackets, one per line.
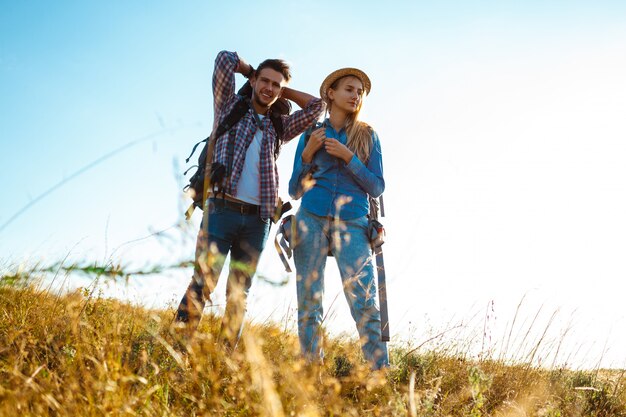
[344, 72]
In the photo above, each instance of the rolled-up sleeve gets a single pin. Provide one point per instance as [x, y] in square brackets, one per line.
[297, 122]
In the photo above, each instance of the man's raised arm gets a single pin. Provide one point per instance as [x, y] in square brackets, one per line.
[298, 97]
[226, 64]
[311, 107]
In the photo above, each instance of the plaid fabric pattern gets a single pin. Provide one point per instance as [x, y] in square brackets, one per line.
[242, 134]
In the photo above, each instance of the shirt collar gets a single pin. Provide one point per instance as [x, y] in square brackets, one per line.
[328, 125]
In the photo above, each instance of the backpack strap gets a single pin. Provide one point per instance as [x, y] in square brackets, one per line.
[277, 121]
[239, 110]
[241, 107]
[233, 117]
[284, 244]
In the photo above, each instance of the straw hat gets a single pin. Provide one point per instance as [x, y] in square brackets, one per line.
[340, 73]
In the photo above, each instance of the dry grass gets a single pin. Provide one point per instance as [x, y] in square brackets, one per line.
[82, 355]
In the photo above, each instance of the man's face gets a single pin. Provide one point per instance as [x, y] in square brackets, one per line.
[267, 86]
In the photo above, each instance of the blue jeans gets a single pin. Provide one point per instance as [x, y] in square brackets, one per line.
[244, 236]
[348, 242]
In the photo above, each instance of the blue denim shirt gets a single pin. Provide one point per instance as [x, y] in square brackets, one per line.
[340, 189]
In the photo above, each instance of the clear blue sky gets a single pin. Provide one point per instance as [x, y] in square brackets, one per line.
[502, 126]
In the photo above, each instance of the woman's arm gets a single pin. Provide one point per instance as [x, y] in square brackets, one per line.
[370, 178]
[300, 169]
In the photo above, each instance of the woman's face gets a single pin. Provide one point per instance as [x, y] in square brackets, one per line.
[348, 94]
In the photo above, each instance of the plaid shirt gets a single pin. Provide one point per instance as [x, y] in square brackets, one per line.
[224, 99]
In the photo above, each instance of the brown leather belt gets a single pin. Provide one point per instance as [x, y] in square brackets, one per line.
[240, 207]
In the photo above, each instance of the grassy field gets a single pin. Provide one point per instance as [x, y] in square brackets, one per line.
[81, 355]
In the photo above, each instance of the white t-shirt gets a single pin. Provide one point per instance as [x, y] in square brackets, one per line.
[249, 188]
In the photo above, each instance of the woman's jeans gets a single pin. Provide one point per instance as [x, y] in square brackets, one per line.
[244, 236]
[347, 240]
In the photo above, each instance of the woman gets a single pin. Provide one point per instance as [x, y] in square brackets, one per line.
[336, 167]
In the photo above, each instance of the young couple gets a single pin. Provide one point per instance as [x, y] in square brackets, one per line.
[336, 167]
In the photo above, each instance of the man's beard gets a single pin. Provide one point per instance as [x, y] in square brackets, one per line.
[255, 98]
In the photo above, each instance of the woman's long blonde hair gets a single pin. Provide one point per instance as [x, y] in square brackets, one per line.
[359, 133]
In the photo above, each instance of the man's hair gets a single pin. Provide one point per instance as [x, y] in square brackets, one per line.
[277, 65]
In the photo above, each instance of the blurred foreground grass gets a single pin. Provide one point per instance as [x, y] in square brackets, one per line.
[79, 354]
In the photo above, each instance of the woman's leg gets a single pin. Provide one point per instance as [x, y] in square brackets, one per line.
[354, 257]
[310, 251]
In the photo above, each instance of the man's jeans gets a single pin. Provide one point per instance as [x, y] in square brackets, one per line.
[349, 244]
[244, 235]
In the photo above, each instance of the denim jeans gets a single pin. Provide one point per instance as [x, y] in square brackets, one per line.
[244, 236]
[348, 242]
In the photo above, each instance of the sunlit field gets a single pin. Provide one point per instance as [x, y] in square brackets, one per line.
[80, 354]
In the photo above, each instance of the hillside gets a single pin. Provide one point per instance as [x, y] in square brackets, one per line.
[82, 355]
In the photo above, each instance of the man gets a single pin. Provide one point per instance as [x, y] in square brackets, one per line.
[238, 220]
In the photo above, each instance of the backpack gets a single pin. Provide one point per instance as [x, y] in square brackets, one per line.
[196, 181]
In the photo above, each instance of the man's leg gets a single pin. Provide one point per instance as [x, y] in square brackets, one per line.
[354, 258]
[212, 246]
[310, 252]
[244, 257]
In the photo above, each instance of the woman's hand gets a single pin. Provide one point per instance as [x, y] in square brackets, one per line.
[338, 150]
[316, 141]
